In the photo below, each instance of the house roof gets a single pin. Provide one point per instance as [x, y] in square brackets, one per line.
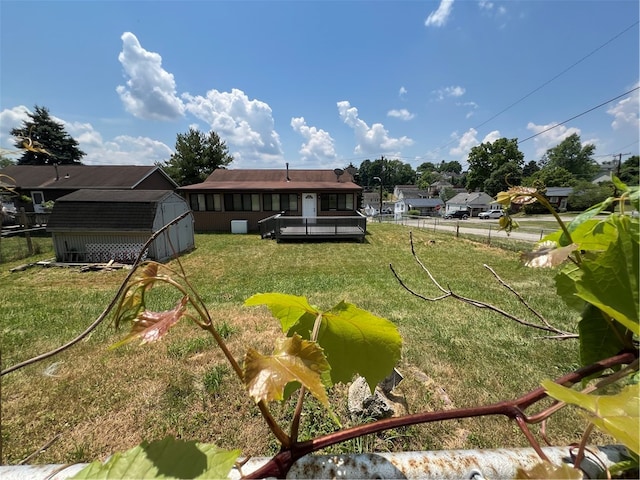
[423, 202]
[558, 191]
[474, 198]
[74, 177]
[411, 191]
[107, 210]
[271, 180]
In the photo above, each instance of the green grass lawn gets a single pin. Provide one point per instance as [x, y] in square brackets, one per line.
[99, 400]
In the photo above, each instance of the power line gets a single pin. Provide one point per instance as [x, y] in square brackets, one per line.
[546, 83]
[558, 75]
[579, 115]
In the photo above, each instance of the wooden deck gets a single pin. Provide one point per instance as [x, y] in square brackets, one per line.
[281, 227]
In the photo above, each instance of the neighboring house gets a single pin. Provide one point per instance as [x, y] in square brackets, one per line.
[45, 183]
[558, 197]
[409, 191]
[476, 202]
[103, 225]
[249, 196]
[426, 206]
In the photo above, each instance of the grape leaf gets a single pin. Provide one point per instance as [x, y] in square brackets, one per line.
[610, 281]
[294, 359]
[591, 234]
[151, 326]
[132, 302]
[167, 458]
[598, 339]
[355, 342]
[617, 415]
[289, 309]
[566, 286]
[547, 254]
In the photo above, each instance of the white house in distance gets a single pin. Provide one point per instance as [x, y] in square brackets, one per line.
[476, 202]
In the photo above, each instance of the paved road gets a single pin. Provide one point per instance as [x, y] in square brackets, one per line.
[484, 228]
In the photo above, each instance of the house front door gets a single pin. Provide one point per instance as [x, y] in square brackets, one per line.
[309, 205]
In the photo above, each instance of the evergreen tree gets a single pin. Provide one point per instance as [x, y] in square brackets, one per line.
[45, 141]
[197, 156]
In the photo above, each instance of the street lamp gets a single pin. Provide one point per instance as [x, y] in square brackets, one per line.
[380, 180]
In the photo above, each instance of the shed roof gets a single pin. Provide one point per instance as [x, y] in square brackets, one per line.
[74, 177]
[107, 210]
[275, 179]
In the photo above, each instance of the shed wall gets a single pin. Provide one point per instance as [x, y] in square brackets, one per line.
[82, 247]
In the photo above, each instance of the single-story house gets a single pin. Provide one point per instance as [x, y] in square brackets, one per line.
[229, 197]
[476, 202]
[409, 191]
[426, 206]
[45, 183]
[558, 197]
[101, 225]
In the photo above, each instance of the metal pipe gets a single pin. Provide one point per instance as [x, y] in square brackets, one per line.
[440, 465]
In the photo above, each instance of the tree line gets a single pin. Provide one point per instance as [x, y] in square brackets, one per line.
[492, 166]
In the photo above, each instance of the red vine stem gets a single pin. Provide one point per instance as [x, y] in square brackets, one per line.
[279, 465]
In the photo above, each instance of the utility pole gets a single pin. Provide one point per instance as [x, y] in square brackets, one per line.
[619, 155]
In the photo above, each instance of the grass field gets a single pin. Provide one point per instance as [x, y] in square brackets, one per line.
[92, 401]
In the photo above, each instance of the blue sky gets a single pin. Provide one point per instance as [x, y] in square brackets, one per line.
[320, 84]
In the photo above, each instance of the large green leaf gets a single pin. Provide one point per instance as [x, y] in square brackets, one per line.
[590, 235]
[610, 281]
[566, 286]
[356, 342]
[289, 309]
[599, 337]
[583, 218]
[167, 458]
[617, 415]
[293, 360]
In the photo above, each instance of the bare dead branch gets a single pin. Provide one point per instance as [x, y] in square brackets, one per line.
[448, 292]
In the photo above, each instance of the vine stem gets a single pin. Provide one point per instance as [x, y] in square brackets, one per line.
[105, 312]
[279, 465]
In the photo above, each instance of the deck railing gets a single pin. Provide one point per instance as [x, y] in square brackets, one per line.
[354, 226]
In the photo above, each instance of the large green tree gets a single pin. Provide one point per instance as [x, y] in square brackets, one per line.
[197, 155]
[391, 172]
[551, 177]
[629, 170]
[45, 141]
[571, 155]
[487, 158]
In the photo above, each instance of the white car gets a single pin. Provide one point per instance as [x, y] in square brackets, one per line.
[490, 214]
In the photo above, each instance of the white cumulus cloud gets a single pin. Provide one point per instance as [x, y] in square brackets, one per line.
[452, 91]
[402, 114]
[440, 16]
[11, 118]
[370, 140]
[247, 126]
[549, 138]
[318, 146]
[625, 112]
[468, 140]
[150, 90]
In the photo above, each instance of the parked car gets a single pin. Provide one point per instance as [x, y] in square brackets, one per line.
[463, 214]
[490, 214]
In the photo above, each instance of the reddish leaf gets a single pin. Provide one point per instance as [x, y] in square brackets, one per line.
[151, 326]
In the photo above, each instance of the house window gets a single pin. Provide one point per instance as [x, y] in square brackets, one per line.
[336, 201]
[242, 202]
[201, 202]
[276, 202]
